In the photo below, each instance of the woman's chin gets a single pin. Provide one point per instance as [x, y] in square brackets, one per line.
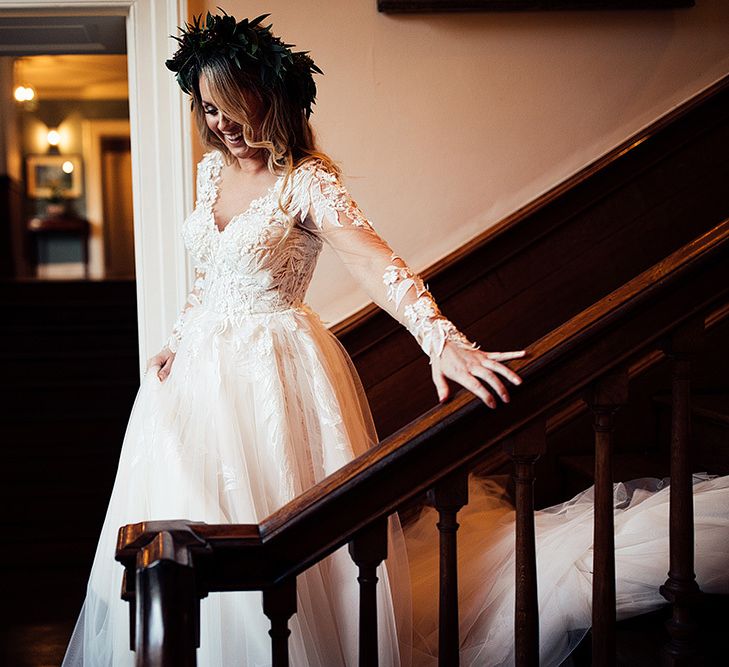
[241, 150]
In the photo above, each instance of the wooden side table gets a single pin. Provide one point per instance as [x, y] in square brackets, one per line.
[59, 223]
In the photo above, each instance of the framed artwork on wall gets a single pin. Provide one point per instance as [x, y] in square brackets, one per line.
[50, 176]
[402, 6]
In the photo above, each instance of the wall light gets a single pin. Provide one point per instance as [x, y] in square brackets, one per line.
[53, 137]
[24, 94]
[67, 167]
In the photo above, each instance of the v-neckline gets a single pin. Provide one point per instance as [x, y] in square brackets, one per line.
[257, 201]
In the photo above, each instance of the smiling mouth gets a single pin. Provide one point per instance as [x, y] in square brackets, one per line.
[234, 139]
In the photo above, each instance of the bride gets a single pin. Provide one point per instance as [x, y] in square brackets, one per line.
[252, 400]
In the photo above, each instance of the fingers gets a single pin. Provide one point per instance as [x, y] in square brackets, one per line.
[441, 386]
[493, 380]
[161, 364]
[164, 371]
[505, 356]
[475, 387]
[499, 368]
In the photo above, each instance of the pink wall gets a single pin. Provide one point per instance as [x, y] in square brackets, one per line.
[444, 124]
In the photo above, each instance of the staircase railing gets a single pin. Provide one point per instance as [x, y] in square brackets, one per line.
[662, 312]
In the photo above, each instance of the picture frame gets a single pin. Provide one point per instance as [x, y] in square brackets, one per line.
[47, 178]
[412, 6]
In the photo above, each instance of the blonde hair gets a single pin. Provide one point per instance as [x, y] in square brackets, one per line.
[284, 131]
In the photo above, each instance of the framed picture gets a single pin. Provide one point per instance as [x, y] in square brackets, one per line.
[54, 176]
[401, 6]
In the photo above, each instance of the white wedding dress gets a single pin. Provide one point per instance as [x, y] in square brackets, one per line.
[262, 402]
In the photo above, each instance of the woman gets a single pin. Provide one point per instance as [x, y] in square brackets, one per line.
[253, 400]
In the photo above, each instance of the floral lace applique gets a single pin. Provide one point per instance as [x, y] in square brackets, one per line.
[322, 195]
[422, 316]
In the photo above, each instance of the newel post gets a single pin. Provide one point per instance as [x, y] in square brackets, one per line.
[161, 587]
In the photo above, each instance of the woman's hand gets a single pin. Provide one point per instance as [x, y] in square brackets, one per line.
[474, 370]
[162, 362]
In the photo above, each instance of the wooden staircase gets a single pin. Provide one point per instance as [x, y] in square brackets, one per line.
[659, 317]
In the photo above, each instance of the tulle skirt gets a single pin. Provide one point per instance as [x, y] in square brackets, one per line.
[256, 411]
[564, 538]
[253, 413]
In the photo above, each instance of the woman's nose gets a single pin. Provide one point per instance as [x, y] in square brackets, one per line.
[224, 123]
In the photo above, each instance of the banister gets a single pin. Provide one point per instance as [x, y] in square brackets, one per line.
[692, 280]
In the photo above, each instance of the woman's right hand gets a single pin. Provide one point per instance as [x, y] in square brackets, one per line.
[162, 362]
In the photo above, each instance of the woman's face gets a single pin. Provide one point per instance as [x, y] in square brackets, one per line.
[228, 131]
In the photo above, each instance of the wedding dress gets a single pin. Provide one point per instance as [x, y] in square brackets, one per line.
[262, 402]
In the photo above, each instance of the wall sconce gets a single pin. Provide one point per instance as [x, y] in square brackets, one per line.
[25, 97]
[53, 137]
[24, 94]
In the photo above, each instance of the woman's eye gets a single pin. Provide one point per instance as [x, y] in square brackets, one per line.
[210, 110]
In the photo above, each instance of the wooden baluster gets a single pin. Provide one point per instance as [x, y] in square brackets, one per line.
[279, 604]
[448, 497]
[167, 606]
[681, 588]
[368, 549]
[524, 448]
[604, 398]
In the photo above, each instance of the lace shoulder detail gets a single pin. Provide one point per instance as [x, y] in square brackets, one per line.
[208, 174]
[320, 196]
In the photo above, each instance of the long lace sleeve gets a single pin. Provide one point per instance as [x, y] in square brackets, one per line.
[194, 298]
[326, 208]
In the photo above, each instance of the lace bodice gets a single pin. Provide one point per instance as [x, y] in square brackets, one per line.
[260, 263]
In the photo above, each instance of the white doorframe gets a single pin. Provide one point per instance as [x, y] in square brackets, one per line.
[161, 153]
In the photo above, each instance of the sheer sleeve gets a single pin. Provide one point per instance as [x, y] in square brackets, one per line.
[326, 208]
[194, 298]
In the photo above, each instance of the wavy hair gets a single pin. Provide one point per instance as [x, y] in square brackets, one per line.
[284, 131]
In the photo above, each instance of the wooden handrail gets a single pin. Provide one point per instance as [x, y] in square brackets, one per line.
[690, 282]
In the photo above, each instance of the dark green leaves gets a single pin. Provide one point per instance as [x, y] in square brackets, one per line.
[244, 43]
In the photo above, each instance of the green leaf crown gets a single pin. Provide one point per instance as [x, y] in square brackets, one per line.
[250, 46]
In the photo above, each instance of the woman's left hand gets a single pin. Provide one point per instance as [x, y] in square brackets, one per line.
[475, 370]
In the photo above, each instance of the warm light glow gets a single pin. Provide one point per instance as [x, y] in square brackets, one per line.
[67, 167]
[54, 137]
[24, 93]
